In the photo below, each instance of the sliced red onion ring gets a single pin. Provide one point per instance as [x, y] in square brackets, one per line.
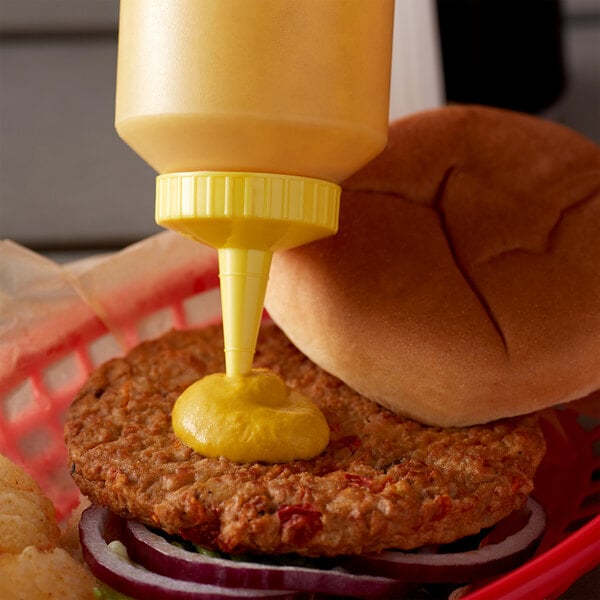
[489, 560]
[98, 527]
[157, 554]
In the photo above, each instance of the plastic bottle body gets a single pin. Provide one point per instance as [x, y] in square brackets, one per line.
[279, 86]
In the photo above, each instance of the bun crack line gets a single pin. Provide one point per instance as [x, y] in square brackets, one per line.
[436, 205]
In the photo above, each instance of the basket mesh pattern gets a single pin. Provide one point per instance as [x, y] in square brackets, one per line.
[33, 405]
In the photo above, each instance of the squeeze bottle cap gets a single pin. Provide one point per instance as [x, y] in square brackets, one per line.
[246, 216]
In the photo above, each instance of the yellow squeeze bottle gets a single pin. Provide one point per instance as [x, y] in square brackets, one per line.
[252, 112]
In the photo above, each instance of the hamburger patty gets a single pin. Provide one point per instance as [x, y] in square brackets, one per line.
[383, 481]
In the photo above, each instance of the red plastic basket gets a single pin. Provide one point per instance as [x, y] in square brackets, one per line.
[109, 316]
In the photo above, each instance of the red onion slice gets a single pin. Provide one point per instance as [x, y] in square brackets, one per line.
[98, 526]
[157, 554]
[489, 560]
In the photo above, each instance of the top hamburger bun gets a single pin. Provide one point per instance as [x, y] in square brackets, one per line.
[464, 283]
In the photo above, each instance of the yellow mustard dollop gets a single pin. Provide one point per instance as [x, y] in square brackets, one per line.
[249, 418]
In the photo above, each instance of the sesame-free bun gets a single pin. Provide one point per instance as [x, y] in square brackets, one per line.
[463, 285]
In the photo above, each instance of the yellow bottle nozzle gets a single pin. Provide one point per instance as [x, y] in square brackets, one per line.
[246, 216]
[243, 274]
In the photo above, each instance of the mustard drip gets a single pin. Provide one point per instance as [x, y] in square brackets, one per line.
[249, 418]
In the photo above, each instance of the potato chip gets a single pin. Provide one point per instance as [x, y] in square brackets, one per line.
[37, 574]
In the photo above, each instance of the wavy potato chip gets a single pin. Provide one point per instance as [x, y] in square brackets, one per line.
[37, 574]
[32, 565]
[27, 517]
